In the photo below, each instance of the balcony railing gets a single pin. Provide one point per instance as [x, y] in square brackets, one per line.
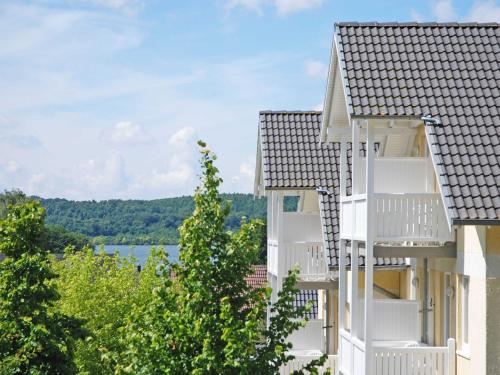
[300, 361]
[410, 217]
[391, 358]
[309, 257]
[417, 217]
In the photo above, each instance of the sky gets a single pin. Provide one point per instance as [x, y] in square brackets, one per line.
[105, 99]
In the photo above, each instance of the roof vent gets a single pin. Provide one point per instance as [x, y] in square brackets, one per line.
[428, 120]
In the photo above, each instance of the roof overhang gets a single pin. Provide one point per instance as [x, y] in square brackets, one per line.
[487, 222]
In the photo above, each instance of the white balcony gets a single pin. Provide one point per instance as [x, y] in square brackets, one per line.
[395, 347]
[308, 257]
[416, 217]
[302, 360]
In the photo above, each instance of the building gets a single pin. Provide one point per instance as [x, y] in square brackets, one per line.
[411, 119]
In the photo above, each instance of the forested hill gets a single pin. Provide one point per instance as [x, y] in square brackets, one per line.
[140, 221]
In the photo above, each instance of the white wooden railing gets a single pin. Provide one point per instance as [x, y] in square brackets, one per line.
[418, 217]
[410, 217]
[310, 259]
[415, 361]
[272, 257]
[395, 320]
[300, 361]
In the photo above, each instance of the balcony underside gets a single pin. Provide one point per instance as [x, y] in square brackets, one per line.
[410, 250]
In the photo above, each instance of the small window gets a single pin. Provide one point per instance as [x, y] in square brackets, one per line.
[465, 312]
[291, 203]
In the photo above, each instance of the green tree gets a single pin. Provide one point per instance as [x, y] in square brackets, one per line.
[102, 290]
[33, 338]
[207, 320]
[11, 198]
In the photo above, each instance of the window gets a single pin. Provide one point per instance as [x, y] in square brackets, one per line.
[465, 313]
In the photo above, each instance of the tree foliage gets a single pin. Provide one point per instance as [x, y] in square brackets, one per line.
[102, 290]
[207, 320]
[54, 238]
[34, 339]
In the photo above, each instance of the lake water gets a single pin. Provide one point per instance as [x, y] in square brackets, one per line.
[141, 252]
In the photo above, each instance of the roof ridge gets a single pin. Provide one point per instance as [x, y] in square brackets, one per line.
[270, 111]
[417, 24]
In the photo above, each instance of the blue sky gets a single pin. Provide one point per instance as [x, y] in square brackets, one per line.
[105, 99]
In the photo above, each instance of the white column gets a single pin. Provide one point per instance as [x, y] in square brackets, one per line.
[281, 240]
[342, 285]
[355, 157]
[369, 249]
[354, 288]
[343, 167]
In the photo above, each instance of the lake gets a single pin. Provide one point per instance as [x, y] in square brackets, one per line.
[141, 252]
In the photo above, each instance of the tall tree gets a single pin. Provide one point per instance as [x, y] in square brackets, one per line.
[33, 338]
[207, 320]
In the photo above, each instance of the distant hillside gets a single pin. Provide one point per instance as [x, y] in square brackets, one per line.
[139, 221]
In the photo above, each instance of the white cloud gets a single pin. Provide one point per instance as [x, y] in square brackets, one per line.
[12, 166]
[283, 7]
[292, 6]
[416, 16]
[444, 10]
[316, 69]
[130, 7]
[484, 11]
[129, 133]
[181, 137]
[318, 107]
[104, 175]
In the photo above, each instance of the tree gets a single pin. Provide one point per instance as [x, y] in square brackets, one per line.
[54, 238]
[11, 198]
[207, 320]
[33, 338]
[102, 290]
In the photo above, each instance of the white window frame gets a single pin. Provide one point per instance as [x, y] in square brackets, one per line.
[465, 313]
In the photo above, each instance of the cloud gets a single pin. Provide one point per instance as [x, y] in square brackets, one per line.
[292, 6]
[444, 10]
[126, 132]
[484, 11]
[181, 137]
[318, 107]
[130, 7]
[21, 141]
[283, 7]
[178, 171]
[12, 166]
[316, 69]
[104, 175]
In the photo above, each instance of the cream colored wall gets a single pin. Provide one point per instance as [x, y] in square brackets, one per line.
[493, 302]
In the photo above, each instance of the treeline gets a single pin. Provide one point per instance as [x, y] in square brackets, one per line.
[139, 222]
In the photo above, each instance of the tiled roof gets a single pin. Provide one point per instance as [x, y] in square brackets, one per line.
[450, 71]
[292, 156]
[279, 132]
[303, 297]
[258, 278]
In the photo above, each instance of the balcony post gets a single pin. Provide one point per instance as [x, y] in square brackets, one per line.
[355, 157]
[342, 284]
[354, 289]
[281, 239]
[343, 167]
[370, 155]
